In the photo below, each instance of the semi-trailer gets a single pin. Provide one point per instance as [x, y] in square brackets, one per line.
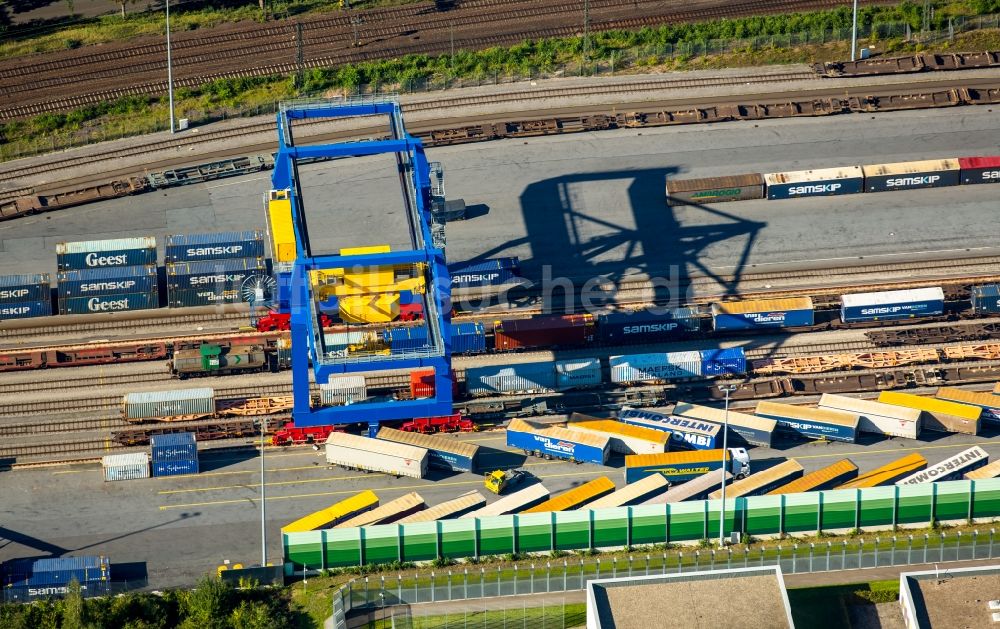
[374, 455]
[888, 473]
[788, 312]
[826, 478]
[388, 513]
[625, 438]
[938, 415]
[952, 468]
[469, 501]
[694, 489]
[876, 417]
[746, 429]
[991, 470]
[555, 442]
[633, 493]
[989, 402]
[576, 497]
[811, 423]
[442, 452]
[762, 482]
[892, 305]
[678, 467]
[335, 513]
[684, 432]
[513, 503]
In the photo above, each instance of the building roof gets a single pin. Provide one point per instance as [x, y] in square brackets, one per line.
[740, 597]
[950, 598]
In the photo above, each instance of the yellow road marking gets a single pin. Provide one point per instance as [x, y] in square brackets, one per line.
[270, 484]
[351, 491]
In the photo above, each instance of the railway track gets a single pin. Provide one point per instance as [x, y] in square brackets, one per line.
[166, 319]
[64, 80]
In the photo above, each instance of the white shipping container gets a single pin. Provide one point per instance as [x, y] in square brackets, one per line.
[179, 402]
[658, 366]
[375, 455]
[97, 246]
[876, 417]
[341, 390]
[905, 168]
[518, 378]
[892, 297]
[578, 373]
[817, 174]
[125, 466]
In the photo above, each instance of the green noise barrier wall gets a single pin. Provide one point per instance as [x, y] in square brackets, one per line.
[645, 524]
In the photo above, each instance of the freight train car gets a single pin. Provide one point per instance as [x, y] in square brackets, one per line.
[892, 305]
[212, 359]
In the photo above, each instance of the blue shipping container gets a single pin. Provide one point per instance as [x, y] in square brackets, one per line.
[28, 593]
[694, 434]
[109, 303]
[560, 448]
[824, 182]
[174, 446]
[15, 289]
[56, 571]
[25, 310]
[723, 362]
[214, 274]
[175, 468]
[219, 246]
[202, 297]
[405, 339]
[140, 256]
[484, 273]
[114, 281]
[643, 326]
[986, 299]
[468, 338]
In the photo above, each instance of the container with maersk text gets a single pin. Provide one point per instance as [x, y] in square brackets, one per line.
[16, 289]
[99, 254]
[109, 303]
[979, 169]
[715, 189]
[814, 183]
[933, 173]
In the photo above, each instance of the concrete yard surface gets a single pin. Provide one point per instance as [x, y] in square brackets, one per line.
[959, 602]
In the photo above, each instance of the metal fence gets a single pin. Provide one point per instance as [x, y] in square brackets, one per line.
[539, 575]
[627, 59]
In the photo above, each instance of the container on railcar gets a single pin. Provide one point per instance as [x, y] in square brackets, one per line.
[722, 362]
[342, 390]
[932, 173]
[985, 299]
[538, 377]
[544, 331]
[654, 367]
[96, 254]
[168, 405]
[578, 373]
[493, 272]
[811, 423]
[812, 183]
[892, 305]
[121, 280]
[215, 246]
[644, 326]
[402, 340]
[980, 169]
[468, 338]
[715, 189]
[110, 303]
[762, 313]
[17, 289]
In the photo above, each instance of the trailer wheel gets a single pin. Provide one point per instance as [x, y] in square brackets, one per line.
[548, 457]
[537, 453]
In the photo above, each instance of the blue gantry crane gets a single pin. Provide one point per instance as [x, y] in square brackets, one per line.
[364, 280]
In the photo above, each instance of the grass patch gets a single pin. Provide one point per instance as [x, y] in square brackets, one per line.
[826, 607]
[314, 599]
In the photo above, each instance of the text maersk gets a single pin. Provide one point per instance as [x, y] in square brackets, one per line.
[815, 189]
[199, 252]
[16, 293]
[93, 259]
[912, 181]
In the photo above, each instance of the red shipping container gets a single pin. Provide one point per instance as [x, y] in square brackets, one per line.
[547, 331]
[979, 169]
[422, 384]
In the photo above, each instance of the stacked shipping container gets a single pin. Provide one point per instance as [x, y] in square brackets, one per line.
[30, 579]
[209, 269]
[107, 276]
[174, 454]
[24, 296]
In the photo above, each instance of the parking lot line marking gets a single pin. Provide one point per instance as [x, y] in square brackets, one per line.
[352, 491]
[275, 484]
